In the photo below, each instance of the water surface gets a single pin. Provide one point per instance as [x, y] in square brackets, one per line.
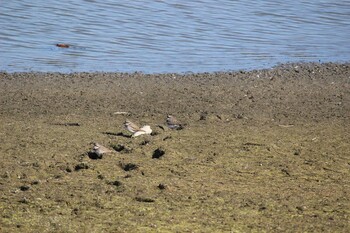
[170, 36]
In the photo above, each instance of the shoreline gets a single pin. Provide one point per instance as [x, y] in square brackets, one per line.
[262, 150]
[286, 65]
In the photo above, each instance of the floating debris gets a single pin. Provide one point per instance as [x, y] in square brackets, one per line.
[63, 45]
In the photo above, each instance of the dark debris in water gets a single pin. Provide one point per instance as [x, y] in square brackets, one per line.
[60, 45]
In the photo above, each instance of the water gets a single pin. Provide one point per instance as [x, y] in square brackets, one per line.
[170, 36]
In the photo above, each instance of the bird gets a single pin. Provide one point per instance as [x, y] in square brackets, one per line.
[131, 127]
[99, 149]
[146, 129]
[173, 123]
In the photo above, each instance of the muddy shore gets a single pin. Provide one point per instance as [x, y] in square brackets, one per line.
[261, 151]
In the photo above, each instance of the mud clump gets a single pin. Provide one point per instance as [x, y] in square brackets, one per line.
[81, 166]
[275, 162]
[93, 155]
[122, 148]
[158, 153]
[115, 183]
[128, 166]
[144, 199]
[24, 188]
[162, 186]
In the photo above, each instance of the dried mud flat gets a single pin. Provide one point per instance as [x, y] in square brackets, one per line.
[262, 151]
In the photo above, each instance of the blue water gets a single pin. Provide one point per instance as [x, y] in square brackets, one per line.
[170, 36]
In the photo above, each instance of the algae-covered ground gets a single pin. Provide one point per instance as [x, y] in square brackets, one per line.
[261, 151]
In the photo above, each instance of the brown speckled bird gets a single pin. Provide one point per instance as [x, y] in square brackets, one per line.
[100, 150]
[131, 127]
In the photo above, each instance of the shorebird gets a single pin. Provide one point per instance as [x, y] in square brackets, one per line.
[137, 131]
[146, 129]
[131, 127]
[100, 150]
[173, 123]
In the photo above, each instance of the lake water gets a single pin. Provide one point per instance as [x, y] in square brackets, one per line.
[170, 36]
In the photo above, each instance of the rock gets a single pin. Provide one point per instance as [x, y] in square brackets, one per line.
[158, 153]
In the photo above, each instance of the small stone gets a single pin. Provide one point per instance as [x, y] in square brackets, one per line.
[24, 188]
[161, 186]
[158, 153]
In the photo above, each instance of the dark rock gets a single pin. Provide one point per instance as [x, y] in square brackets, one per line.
[161, 186]
[24, 187]
[94, 155]
[158, 153]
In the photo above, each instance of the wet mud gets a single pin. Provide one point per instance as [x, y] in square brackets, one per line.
[260, 151]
